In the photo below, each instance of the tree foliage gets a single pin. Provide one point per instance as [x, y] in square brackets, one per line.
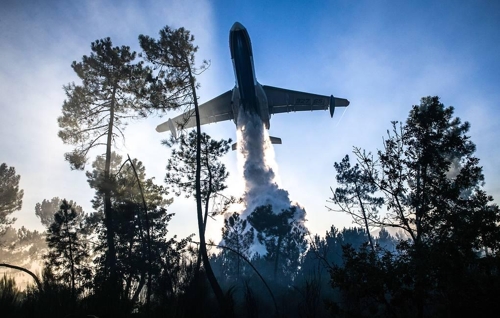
[95, 112]
[283, 237]
[10, 296]
[68, 250]
[181, 168]
[11, 197]
[355, 194]
[46, 210]
[239, 236]
[173, 58]
[430, 179]
[123, 184]
[146, 255]
[172, 84]
[430, 182]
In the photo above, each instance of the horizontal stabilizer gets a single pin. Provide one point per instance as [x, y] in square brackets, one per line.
[274, 140]
[337, 102]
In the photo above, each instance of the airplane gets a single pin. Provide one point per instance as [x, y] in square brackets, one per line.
[248, 93]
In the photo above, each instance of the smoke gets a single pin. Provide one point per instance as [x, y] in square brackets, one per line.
[260, 172]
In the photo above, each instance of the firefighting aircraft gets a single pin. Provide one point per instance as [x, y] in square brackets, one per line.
[260, 99]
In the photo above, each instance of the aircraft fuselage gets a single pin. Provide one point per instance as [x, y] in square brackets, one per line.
[247, 93]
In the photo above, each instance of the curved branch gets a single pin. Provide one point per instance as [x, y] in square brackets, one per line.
[37, 280]
[92, 144]
[119, 130]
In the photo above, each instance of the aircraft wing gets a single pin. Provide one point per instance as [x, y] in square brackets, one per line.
[217, 109]
[282, 100]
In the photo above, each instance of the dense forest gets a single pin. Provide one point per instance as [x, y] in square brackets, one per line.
[425, 244]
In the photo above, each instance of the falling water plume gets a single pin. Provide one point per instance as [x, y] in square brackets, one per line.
[259, 171]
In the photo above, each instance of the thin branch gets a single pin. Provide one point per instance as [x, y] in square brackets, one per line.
[93, 141]
[93, 128]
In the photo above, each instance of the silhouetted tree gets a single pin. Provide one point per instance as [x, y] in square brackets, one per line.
[354, 195]
[123, 183]
[95, 112]
[385, 240]
[141, 258]
[11, 197]
[68, 251]
[172, 84]
[54, 299]
[173, 57]
[10, 297]
[237, 235]
[181, 168]
[429, 177]
[130, 239]
[283, 237]
[323, 252]
[431, 184]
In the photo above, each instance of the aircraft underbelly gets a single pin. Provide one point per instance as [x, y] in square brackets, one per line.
[244, 74]
[248, 94]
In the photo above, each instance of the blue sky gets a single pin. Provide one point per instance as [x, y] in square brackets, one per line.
[381, 55]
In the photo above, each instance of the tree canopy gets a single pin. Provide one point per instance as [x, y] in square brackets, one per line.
[95, 114]
[11, 197]
[430, 187]
[68, 251]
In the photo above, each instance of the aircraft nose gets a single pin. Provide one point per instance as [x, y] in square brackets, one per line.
[237, 27]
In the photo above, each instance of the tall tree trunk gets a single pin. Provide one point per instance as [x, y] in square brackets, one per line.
[128, 282]
[205, 218]
[111, 255]
[276, 259]
[71, 260]
[149, 258]
[365, 218]
[238, 259]
[201, 228]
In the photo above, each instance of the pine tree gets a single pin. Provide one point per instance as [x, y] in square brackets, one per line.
[181, 168]
[354, 195]
[173, 86]
[11, 197]
[68, 251]
[430, 182]
[282, 236]
[145, 255]
[237, 235]
[95, 114]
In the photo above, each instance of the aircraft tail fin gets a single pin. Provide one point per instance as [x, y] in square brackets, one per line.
[274, 140]
[168, 125]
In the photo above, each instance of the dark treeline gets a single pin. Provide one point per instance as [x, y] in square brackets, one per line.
[424, 186]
